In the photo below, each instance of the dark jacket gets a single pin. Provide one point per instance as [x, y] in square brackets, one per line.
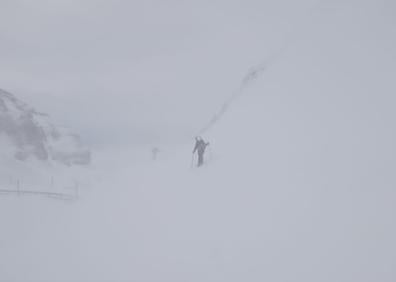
[200, 146]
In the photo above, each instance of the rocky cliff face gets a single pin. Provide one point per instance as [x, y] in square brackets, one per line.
[30, 134]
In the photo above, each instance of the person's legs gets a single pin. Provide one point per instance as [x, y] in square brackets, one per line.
[200, 159]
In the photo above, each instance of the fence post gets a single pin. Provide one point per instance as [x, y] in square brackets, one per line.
[76, 187]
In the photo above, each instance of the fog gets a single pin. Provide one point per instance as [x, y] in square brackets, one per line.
[295, 97]
[153, 64]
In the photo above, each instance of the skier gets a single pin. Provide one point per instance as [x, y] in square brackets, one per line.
[200, 147]
[154, 153]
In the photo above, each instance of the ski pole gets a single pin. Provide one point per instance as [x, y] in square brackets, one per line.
[192, 160]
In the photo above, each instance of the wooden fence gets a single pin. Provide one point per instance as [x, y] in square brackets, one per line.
[18, 191]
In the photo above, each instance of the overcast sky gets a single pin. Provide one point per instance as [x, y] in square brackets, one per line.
[152, 68]
[146, 70]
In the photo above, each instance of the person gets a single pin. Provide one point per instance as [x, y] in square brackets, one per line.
[200, 147]
[154, 153]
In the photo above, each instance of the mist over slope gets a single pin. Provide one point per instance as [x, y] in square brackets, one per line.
[298, 183]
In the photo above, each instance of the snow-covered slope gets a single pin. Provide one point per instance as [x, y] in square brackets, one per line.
[299, 184]
[26, 133]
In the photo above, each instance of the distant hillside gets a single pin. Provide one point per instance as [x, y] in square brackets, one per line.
[26, 133]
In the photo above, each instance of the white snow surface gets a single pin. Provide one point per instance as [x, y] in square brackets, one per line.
[299, 183]
[285, 199]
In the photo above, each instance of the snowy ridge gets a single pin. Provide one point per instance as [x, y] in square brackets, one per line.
[253, 74]
[26, 133]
